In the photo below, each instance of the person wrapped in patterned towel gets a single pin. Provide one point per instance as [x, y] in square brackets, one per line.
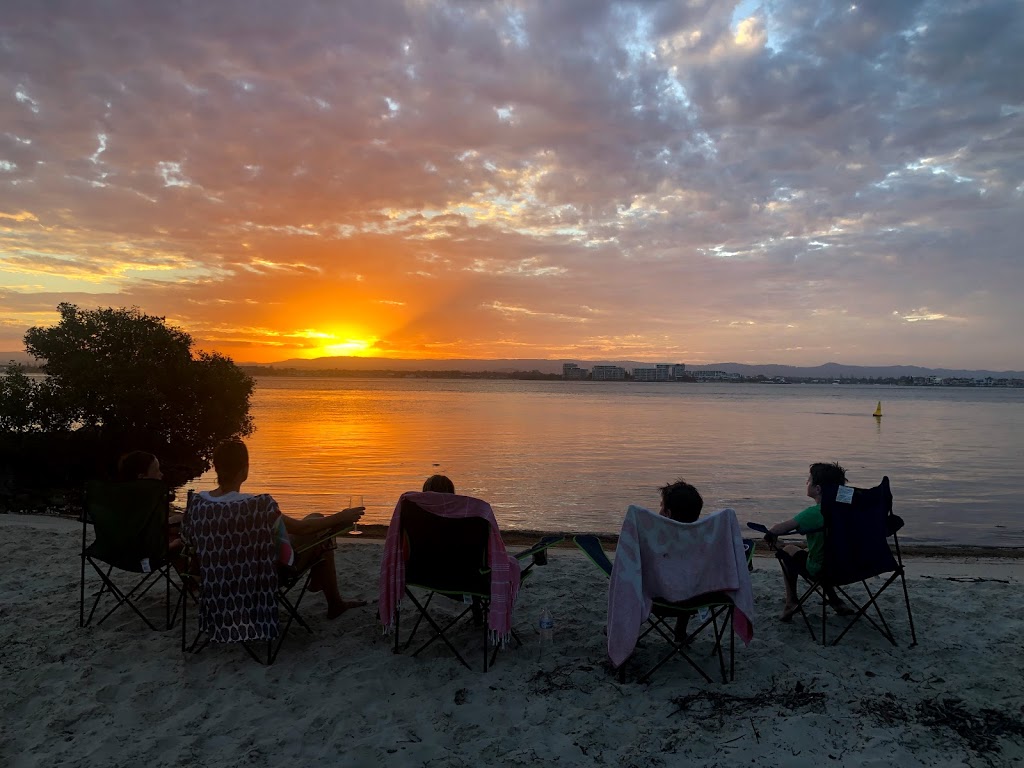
[293, 536]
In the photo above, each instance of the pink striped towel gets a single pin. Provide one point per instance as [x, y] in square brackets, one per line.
[504, 567]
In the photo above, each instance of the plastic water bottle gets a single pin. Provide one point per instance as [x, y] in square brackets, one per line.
[546, 625]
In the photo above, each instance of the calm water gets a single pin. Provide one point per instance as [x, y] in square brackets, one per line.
[571, 456]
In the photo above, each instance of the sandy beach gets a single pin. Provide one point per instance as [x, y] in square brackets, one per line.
[121, 695]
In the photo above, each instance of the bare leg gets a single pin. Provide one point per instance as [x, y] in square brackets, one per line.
[681, 624]
[790, 577]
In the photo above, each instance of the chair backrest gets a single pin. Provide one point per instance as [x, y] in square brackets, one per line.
[856, 533]
[443, 553]
[129, 522]
[699, 551]
[235, 546]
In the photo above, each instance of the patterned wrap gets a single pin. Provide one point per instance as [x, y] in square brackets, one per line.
[235, 542]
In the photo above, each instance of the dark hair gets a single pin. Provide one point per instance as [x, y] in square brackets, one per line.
[439, 484]
[828, 474]
[134, 465]
[229, 458]
[682, 502]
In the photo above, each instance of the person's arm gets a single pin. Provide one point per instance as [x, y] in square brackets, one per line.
[317, 524]
[780, 529]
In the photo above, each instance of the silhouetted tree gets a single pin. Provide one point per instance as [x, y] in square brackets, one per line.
[119, 380]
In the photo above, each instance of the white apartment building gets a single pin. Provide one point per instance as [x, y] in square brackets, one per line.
[608, 373]
[660, 372]
[710, 375]
[573, 371]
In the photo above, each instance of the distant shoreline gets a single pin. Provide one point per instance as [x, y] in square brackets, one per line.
[455, 375]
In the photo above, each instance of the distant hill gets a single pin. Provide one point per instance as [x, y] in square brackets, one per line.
[837, 370]
[828, 370]
[23, 358]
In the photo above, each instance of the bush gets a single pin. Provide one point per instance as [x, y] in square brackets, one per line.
[118, 380]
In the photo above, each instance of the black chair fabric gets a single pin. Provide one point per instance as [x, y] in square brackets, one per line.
[856, 534]
[129, 521]
[445, 554]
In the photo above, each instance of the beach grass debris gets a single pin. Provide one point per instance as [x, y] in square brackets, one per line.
[980, 730]
[726, 705]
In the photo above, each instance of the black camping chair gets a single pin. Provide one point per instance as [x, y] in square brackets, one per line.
[289, 578]
[857, 532]
[448, 556]
[129, 521]
[712, 607]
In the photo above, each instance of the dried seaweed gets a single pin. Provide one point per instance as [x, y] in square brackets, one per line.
[559, 678]
[980, 730]
[885, 710]
[708, 702]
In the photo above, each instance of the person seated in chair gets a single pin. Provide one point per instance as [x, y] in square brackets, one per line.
[796, 560]
[443, 484]
[439, 484]
[231, 463]
[681, 502]
[143, 465]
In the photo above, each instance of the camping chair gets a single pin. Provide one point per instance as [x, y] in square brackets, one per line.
[232, 575]
[858, 525]
[448, 556]
[711, 608]
[129, 522]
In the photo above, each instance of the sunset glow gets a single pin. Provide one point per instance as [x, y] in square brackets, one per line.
[663, 181]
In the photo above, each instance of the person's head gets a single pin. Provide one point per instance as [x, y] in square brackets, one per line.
[138, 465]
[439, 484]
[231, 462]
[681, 502]
[824, 474]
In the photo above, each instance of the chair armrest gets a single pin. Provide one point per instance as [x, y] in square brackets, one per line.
[540, 546]
[324, 537]
[591, 546]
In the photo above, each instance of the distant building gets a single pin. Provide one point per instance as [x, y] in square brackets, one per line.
[660, 372]
[608, 373]
[573, 372]
[710, 375]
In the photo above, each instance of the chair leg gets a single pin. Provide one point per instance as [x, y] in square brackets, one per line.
[910, 615]
[81, 597]
[398, 617]
[824, 615]
[437, 629]
[419, 618]
[184, 616]
[126, 599]
[167, 603]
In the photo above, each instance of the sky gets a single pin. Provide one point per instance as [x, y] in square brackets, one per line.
[666, 181]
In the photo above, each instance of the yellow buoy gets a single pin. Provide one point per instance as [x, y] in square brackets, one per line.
[878, 410]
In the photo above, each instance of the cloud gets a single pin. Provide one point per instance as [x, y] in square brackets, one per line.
[707, 178]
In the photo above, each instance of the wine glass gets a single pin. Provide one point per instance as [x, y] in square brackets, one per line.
[355, 501]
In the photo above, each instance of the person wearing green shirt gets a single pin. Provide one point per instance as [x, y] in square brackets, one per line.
[797, 561]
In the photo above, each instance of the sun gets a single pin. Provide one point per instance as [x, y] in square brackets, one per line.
[339, 344]
[349, 348]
